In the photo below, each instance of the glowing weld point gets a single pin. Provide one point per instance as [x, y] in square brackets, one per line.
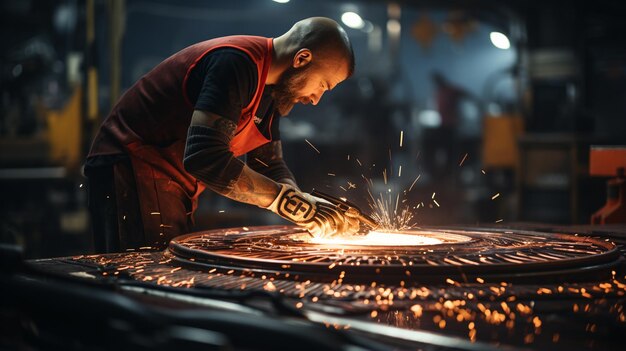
[376, 238]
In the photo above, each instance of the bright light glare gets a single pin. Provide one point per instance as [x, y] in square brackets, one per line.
[379, 239]
[430, 118]
[352, 20]
[393, 27]
[499, 40]
[281, 1]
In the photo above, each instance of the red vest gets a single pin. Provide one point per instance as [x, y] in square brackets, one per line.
[151, 119]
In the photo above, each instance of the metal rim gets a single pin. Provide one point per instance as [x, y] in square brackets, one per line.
[599, 262]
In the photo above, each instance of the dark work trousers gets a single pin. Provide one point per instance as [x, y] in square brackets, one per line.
[114, 208]
[122, 219]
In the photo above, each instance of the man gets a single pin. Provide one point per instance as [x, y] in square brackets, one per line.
[181, 127]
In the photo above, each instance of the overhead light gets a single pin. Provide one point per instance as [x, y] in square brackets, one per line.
[499, 40]
[352, 20]
[281, 1]
[393, 27]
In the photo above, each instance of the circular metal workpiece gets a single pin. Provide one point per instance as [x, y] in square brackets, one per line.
[416, 255]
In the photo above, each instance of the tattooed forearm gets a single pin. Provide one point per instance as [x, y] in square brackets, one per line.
[289, 182]
[268, 160]
[225, 126]
[254, 188]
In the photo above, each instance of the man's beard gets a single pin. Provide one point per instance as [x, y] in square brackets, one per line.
[286, 89]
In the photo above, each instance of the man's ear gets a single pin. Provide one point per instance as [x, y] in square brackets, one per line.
[302, 58]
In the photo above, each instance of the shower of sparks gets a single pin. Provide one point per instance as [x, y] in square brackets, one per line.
[351, 185]
[396, 208]
[314, 148]
[499, 220]
[436, 203]
[401, 137]
[261, 162]
[348, 157]
[221, 211]
[433, 197]
[331, 174]
[400, 171]
[390, 216]
[359, 162]
[415, 181]
[342, 188]
[495, 196]
[463, 160]
[483, 171]
[385, 175]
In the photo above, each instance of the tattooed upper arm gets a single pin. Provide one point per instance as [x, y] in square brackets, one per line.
[268, 152]
[212, 120]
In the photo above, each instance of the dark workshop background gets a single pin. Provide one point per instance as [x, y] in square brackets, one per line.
[526, 115]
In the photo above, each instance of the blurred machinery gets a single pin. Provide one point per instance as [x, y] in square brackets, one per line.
[611, 162]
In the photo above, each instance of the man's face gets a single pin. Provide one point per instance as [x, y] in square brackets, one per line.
[307, 84]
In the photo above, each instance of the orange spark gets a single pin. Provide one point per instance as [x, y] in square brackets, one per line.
[314, 148]
[463, 160]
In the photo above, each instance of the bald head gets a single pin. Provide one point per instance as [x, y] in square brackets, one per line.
[313, 57]
[324, 37]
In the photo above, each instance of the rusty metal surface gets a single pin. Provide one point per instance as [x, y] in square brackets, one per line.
[571, 295]
[463, 254]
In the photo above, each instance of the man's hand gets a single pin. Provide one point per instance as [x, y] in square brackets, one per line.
[318, 216]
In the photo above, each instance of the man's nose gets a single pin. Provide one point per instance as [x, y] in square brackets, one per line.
[315, 98]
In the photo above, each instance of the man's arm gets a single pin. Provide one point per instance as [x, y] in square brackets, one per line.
[268, 160]
[208, 158]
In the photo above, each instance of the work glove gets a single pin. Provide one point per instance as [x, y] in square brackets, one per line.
[318, 216]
